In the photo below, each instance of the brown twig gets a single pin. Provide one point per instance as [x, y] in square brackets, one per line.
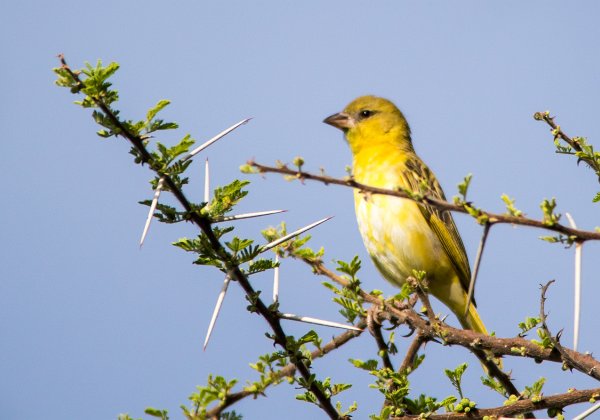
[492, 368]
[411, 353]
[545, 116]
[518, 407]
[471, 340]
[374, 327]
[492, 218]
[568, 360]
[287, 371]
[571, 141]
[516, 346]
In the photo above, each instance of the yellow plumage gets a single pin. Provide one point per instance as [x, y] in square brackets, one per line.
[399, 234]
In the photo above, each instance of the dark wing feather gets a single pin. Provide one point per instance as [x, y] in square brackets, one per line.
[421, 180]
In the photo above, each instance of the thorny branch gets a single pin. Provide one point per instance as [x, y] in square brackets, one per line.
[518, 407]
[411, 353]
[568, 361]
[490, 365]
[515, 346]
[374, 327]
[491, 218]
[476, 343]
[427, 330]
[204, 223]
[287, 371]
[574, 142]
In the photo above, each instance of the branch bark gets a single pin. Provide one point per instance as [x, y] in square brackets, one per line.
[516, 346]
[492, 218]
[205, 226]
[518, 407]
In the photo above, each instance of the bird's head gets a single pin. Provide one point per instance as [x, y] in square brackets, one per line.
[370, 120]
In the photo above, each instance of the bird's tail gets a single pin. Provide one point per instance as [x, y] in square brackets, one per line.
[473, 322]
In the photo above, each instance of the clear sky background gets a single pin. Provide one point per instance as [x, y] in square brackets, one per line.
[91, 326]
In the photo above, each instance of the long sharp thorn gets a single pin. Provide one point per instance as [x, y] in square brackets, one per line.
[153, 205]
[276, 279]
[577, 291]
[587, 412]
[293, 234]
[486, 230]
[317, 321]
[206, 182]
[246, 215]
[215, 314]
[214, 139]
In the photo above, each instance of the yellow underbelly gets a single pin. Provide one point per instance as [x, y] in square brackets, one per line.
[399, 239]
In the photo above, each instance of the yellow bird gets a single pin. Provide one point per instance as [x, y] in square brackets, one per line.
[399, 234]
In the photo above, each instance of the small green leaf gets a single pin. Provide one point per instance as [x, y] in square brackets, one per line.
[368, 365]
[463, 187]
[455, 377]
[156, 109]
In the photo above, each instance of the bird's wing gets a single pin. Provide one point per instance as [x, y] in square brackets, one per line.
[421, 180]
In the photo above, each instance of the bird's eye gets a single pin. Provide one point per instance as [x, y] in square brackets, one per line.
[365, 113]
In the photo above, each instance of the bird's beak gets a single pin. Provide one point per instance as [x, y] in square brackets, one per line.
[340, 120]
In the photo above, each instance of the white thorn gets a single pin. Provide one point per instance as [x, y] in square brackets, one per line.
[577, 291]
[316, 321]
[293, 234]
[214, 139]
[276, 280]
[246, 215]
[587, 412]
[153, 205]
[206, 182]
[215, 314]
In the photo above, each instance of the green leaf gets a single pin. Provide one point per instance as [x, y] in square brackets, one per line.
[310, 337]
[237, 244]
[529, 324]
[154, 412]
[455, 377]
[534, 392]
[261, 265]
[156, 109]
[226, 197]
[350, 268]
[494, 384]
[550, 218]
[546, 340]
[463, 187]
[248, 169]
[510, 206]
[368, 365]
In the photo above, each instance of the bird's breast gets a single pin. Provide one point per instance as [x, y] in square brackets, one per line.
[394, 231]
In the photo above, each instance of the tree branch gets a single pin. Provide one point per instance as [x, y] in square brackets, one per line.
[518, 407]
[516, 346]
[411, 353]
[492, 218]
[374, 327]
[204, 223]
[288, 370]
[574, 142]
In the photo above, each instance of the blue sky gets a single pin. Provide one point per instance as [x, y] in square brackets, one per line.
[91, 324]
